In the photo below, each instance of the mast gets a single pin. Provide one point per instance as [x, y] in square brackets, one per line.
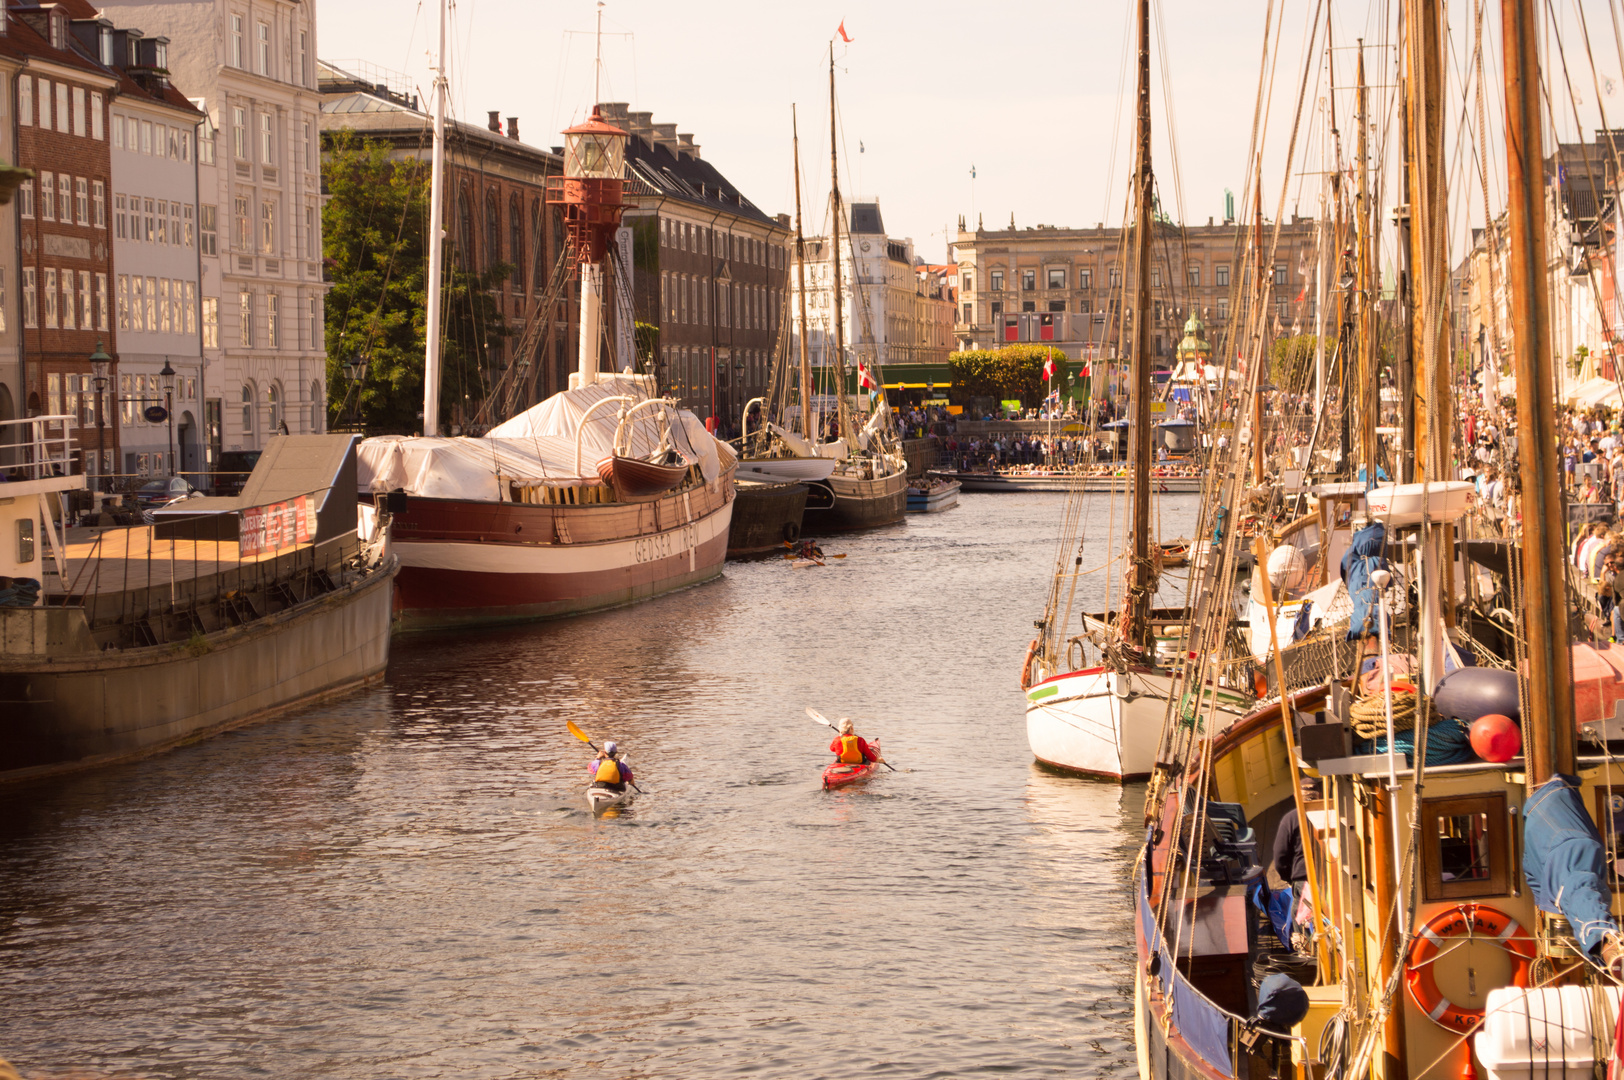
[834, 254]
[431, 354]
[1548, 717]
[800, 273]
[1429, 277]
[1262, 316]
[1141, 576]
[1369, 392]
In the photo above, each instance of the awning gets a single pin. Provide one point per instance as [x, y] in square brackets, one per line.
[1181, 393]
[917, 385]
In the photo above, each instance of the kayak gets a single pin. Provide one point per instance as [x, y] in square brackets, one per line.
[840, 774]
[601, 799]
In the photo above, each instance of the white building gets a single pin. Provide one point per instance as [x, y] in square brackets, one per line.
[153, 132]
[251, 67]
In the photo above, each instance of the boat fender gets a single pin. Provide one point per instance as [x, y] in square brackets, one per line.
[1473, 920]
[1026, 665]
[792, 532]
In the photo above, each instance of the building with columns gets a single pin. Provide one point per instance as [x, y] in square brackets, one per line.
[250, 68]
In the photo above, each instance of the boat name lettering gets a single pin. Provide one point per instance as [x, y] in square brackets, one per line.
[664, 545]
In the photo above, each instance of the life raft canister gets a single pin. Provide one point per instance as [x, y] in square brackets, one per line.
[1473, 921]
[1026, 665]
[608, 771]
[851, 751]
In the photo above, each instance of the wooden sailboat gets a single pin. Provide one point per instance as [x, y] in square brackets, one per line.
[1449, 912]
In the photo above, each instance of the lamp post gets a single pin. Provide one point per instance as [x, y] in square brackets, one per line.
[99, 361]
[355, 371]
[167, 374]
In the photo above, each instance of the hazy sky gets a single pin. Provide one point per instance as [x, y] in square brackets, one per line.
[1027, 93]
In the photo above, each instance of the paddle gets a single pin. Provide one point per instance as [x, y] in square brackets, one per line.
[824, 720]
[579, 734]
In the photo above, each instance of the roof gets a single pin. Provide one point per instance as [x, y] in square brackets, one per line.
[294, 465]
[22, 41]
[865, 219]
[371, 114]
[655, 169]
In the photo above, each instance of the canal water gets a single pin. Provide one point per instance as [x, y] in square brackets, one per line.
[406, 883]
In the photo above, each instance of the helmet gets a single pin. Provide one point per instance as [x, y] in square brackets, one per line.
[610, 746]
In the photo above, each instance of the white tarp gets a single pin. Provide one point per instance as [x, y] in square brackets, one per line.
[537, 445]
[1593, 392]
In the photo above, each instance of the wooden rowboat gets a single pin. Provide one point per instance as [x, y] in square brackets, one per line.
[635, 476]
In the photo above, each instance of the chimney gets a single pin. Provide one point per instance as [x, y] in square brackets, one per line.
[641, 123]
[513, 128]
[495, 121]
[685, 144]
[665, 135]
[614, 112]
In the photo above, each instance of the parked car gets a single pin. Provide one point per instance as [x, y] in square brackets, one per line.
[162, 492]
[231, 474]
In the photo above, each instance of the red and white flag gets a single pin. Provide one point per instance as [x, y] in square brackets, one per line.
[1048, 368]
[841, 30]
[865, 381]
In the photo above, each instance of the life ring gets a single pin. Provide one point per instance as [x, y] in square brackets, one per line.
[792, 532]
[1474, 920]
[1026, 665]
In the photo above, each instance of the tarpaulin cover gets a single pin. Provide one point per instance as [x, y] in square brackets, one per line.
[1565, 862]
[1203, 1026]
[1449, 742]
[538, 445]
[1278, 905]
[1363, 558]
[1281, 1003]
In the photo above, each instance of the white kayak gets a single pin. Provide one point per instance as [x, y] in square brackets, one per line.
[601, 799]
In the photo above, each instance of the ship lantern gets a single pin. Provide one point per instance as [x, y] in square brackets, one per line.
[591, 196]
[595, 150]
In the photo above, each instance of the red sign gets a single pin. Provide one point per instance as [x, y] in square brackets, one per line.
[265, 529]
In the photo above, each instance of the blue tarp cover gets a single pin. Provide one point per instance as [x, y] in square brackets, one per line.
[1363, 557]
[1278, 904]
[1202, 1025]
[1565, 862]
[1281, 1003]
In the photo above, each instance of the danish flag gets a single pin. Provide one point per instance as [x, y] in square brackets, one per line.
[1048, 368]
[865, 381]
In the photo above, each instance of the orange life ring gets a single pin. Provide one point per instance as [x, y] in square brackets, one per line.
[1473, 920]
[1026, 665]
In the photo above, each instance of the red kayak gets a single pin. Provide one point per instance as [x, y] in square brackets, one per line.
[840, 774]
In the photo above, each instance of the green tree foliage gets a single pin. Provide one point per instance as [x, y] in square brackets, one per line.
[1292, 361]
[375, 246]
[1014, 371]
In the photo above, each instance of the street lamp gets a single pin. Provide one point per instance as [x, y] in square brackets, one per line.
[167, 374]
[355, 372]
[99, 360]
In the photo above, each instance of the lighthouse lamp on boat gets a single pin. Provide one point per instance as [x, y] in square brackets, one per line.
[591, 195]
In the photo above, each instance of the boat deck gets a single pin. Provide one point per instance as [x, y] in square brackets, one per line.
[121, 559]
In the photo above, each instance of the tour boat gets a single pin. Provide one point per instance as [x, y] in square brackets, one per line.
[930, 495]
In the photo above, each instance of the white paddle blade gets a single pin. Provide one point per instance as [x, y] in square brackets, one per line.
[819, 717]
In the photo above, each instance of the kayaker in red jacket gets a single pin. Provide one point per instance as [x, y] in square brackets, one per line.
[852, 749]
[608, 769]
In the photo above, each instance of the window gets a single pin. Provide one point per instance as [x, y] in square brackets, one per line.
[25, 100]
[516, 241]
[2, 300]
[245, 319]
[50, 298]
[262, 37]
[997, 308]
[1029, 280]
[1057, 305]
[240, 236]
[97, 131]
[146, 136]
[191, 307]
[1116, 277]
[79, 111]
[53, 394]
[138, 303]
[267, 227]
[312, 234]
[162, 322]
[1282, 309]
[176, 320]
[1085, 279]
[183, 139]
[493, 231]
[64, 197]
[312, 314]
[62, 119]
[248, 410]
[206, 230]
[47, 196]
[187, 236]
[304, 58]
[44, 104]
[98, 204]
[30, 301]
[239, 133]
[1223, 309]
[997, 281]
[1155, 277]
[150, 229]
[273, 328]
[1220, 276]
[1057, 279]
[1028, 305]
[124, 301]
[132, 134]
[1280, 274]
[236, 42]
[273, 398]
[205, 144]
[118, 133]
[25, 198]
[101, 301]
[1195, 277]
[1464, 850]
[267, 139]
[126, 390]
[85, 300]
[211, 322]
[174, 222]
[81, 201]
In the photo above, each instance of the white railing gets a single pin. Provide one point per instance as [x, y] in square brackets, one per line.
[29, 450]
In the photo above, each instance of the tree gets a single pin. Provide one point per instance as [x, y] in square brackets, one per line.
[1292, 359]
[375, 248]
[1014, 371]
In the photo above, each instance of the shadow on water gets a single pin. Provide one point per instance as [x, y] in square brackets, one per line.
[408, 882]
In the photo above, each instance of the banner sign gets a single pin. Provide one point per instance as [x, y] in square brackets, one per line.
[266, 529]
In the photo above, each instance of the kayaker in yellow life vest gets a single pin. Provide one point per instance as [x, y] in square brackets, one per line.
[851, 749]
[609, 769]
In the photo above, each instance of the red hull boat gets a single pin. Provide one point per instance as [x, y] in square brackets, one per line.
[636, 478]
[840, 774]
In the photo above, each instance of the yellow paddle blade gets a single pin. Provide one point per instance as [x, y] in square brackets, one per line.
[842, 555]
[577, 732]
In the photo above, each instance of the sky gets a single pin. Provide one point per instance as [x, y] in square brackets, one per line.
[1035, 97]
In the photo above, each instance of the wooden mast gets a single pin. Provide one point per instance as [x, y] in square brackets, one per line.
[1141, 574]
[800, 273]
[1261, 315]
[1548, 732]
[834, 254]
[1368, 395]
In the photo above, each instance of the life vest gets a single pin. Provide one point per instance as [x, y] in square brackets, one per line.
[851, 750]
[608, 771]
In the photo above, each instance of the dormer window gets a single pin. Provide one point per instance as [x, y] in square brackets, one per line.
[104, 46]
[59, 28]
[161, 54]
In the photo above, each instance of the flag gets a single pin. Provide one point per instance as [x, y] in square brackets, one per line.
[1053, 398]
[841, 30]
[861, 149]
[1048, 368]
[865, 381]
[972, 172]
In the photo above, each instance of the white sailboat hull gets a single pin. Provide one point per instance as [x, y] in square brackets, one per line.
[795, 468]
[1103, 724]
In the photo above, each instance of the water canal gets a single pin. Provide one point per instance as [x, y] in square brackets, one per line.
[406, 883]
